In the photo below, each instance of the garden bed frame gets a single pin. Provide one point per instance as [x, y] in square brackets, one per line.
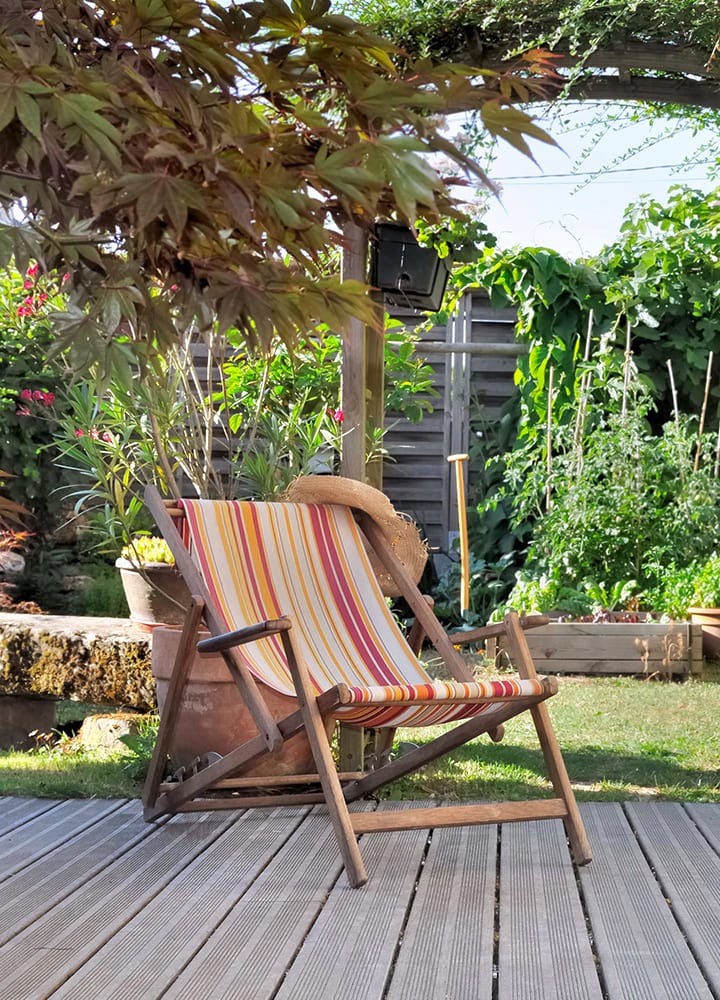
[646, 648]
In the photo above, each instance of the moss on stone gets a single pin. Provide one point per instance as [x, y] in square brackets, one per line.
[104, 661]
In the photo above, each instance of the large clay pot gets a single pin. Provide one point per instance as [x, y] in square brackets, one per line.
[156, 594]
[213, 716]
[709, 618]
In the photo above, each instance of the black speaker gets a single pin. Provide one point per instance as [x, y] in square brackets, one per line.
[406, 273]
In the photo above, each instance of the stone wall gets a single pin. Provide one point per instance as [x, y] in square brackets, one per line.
[105, 661]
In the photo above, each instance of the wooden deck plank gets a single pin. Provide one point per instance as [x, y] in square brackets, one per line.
[544, 949]
[21, 847]
[642, 953]
[51, 878]
[447, 945]
[255, 906]
[14, 812]
[707, 817]
[247, 955]
[36, 961]
[146, 955]
[349, 951]
[688, 869]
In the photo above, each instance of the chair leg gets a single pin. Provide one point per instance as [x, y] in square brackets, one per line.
[332, 789]
[574, 826]
[178, 680]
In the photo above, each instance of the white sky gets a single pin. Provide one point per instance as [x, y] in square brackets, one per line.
[539, 209]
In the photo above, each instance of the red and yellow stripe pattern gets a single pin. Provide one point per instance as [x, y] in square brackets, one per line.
[264, 560]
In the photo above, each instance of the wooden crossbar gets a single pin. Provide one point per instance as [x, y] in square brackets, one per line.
[487, 812]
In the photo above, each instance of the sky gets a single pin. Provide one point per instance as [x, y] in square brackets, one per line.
[541, 206]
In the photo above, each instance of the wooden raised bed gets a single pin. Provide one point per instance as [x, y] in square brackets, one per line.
[645, 648]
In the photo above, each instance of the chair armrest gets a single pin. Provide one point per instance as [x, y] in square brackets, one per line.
[219, 643]
[491, 631]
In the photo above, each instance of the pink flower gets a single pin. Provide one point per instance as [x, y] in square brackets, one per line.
[66, 276]
[79, 433]
[94, 433]
[337, 415]
[38, 394]
[28, 284]
[25, 311]
[43, 297]
[29, 301]
[48, 399]
[26, 394]
[107, 436]
[22, 411]
[32, 270]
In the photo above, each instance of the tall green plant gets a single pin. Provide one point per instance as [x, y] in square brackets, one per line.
[617, 504]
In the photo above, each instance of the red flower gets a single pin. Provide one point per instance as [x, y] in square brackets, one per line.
[38, 394]
[79, 433]
[25, 311]
[22, 411]
[337, 415]
[107, 436]
[48, 399]
[43, 297]
[33, 269]
[28, 284]
[66, 276]
[26, 394]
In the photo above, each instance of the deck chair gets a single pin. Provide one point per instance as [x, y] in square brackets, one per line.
[289, 596]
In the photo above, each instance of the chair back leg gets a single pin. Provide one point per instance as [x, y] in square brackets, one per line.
[178, 680]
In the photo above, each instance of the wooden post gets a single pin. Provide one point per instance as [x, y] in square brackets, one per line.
[353, 384]
[458, 461]
[375, 389]
[353, 396]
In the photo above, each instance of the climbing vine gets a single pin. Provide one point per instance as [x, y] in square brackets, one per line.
[444, 28]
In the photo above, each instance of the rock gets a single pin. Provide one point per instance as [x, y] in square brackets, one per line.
[11, 564]
[103, 732]
[104, 661]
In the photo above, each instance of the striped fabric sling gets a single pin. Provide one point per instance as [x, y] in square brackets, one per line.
[261, 561]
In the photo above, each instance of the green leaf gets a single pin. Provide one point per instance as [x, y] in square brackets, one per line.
[28, 112]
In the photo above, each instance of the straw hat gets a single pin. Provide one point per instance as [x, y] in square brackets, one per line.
[399, 530]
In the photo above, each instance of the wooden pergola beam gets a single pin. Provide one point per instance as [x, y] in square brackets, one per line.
[685, 77]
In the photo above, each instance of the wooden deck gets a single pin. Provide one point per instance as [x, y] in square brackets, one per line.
[95, 904]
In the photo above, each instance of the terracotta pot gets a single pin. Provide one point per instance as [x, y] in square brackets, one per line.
[156, 595]
[709, 618]
[213, 716]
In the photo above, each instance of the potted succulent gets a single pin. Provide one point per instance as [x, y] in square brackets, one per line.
[155, 591]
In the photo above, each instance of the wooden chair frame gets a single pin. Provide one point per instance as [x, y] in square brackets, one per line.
[233, 772]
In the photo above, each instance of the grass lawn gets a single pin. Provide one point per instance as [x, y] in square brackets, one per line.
[622, 739]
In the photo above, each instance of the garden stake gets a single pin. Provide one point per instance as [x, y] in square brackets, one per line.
[703, 411]
[582, 401]
[548, 493]
[457, 461]
[677, 416]
[626, 375]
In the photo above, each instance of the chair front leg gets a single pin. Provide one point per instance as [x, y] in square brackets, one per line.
[320, 746]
